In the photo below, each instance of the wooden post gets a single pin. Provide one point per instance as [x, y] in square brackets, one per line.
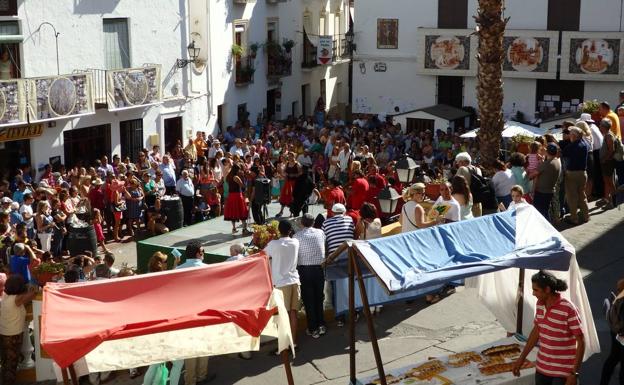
[72, 374]
[369, 323]
[286, 361]
[520, 315]
[352, 373]
[65, 376]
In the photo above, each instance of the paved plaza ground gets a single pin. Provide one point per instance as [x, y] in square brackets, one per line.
[411, 333]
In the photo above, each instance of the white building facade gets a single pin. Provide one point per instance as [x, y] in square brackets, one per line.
[565, 51]
[146, 39]
[282, 83]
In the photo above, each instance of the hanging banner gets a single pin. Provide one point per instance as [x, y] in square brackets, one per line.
[325, 50]
[133, 87]
[63, 96]
[12, 102]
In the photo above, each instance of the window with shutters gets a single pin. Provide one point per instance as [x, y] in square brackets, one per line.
[452, 13]
[10, 64]
[131, 138]
[564, 15]
[116, 43]
[8, 7]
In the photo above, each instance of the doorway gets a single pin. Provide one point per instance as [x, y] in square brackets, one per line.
[173, 132]
[84, 145]
[131, 133]
[270, 104]
[451, 91]
[15, 154]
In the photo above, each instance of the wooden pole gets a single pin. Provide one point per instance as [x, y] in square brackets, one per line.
[286, 361]
[352, 373]
[65, 376]
[72, 374]
[520, 315]
[371, 326]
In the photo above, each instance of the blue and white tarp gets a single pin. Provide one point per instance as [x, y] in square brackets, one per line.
[429, 257]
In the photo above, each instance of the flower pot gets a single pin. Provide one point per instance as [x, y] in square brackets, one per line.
[432, 190]
[523, 148]
[44, 277]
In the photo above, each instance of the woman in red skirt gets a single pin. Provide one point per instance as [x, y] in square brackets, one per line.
[292, 171]
[235, 206]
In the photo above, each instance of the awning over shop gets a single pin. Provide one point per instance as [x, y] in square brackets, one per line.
[158, 317]
[512, 129]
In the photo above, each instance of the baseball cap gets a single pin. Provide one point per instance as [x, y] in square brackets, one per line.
[6, 200]
[339, 208]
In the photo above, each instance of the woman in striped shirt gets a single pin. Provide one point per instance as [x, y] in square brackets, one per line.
[558, 331]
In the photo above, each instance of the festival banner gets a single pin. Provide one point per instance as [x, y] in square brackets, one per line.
[325, 50]
[12, 102]
[592, 56]
[62, 96]
[133, 87]
[449, 52]
[530, 54]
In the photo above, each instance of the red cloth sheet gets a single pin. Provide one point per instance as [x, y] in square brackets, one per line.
[76, 318]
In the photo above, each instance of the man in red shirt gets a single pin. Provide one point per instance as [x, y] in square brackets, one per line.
[333, 195]
[359, 190]
[558, 331]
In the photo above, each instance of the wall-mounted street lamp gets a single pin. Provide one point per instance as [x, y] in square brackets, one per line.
[193, 53]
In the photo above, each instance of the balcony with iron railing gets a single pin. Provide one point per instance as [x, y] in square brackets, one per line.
[309, 54]
[244, 70]
[279, 60]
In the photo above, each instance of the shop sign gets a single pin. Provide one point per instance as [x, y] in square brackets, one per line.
[8, 134]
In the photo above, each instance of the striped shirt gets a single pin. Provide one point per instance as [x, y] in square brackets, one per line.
[558, 327]
[337, 229]
[311, 246]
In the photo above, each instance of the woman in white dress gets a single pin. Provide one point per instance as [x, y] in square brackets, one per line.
[413, 216]
[461, 193]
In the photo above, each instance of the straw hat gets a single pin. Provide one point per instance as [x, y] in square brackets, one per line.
[97, 182]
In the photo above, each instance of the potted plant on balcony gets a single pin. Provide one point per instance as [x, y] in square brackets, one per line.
[237, 50]
[253, 50]
[288, 44]
[272, 48]
[248, 73]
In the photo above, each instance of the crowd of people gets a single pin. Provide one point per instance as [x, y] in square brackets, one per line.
[301, 162]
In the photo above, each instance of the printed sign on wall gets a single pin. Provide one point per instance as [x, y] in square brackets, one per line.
[447, 52]
[12, 102]
[63, 96]
[133, 87]
[592, 56]
[530, 54]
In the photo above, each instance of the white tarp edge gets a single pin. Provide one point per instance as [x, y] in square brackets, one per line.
[499, 290]
[182, 344]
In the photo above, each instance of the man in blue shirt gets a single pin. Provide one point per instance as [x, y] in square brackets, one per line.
[576, 176]
[20, 261]
[196, 368]
[168, 170]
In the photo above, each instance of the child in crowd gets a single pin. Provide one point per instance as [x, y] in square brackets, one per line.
[99, 232]
[534, 159]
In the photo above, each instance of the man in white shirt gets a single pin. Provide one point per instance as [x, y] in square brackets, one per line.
[446, 199]
[343, 162]
[216, 146]
[597, 186]
[186, 191]
[28, 215]
[283, 253]
[237, 148]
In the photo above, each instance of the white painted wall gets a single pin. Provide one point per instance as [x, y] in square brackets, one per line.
[601, 15]
[155, 36]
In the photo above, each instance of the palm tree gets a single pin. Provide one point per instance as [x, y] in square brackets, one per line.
[490, 30]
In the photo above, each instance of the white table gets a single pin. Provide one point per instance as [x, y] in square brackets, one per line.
[470, 374]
